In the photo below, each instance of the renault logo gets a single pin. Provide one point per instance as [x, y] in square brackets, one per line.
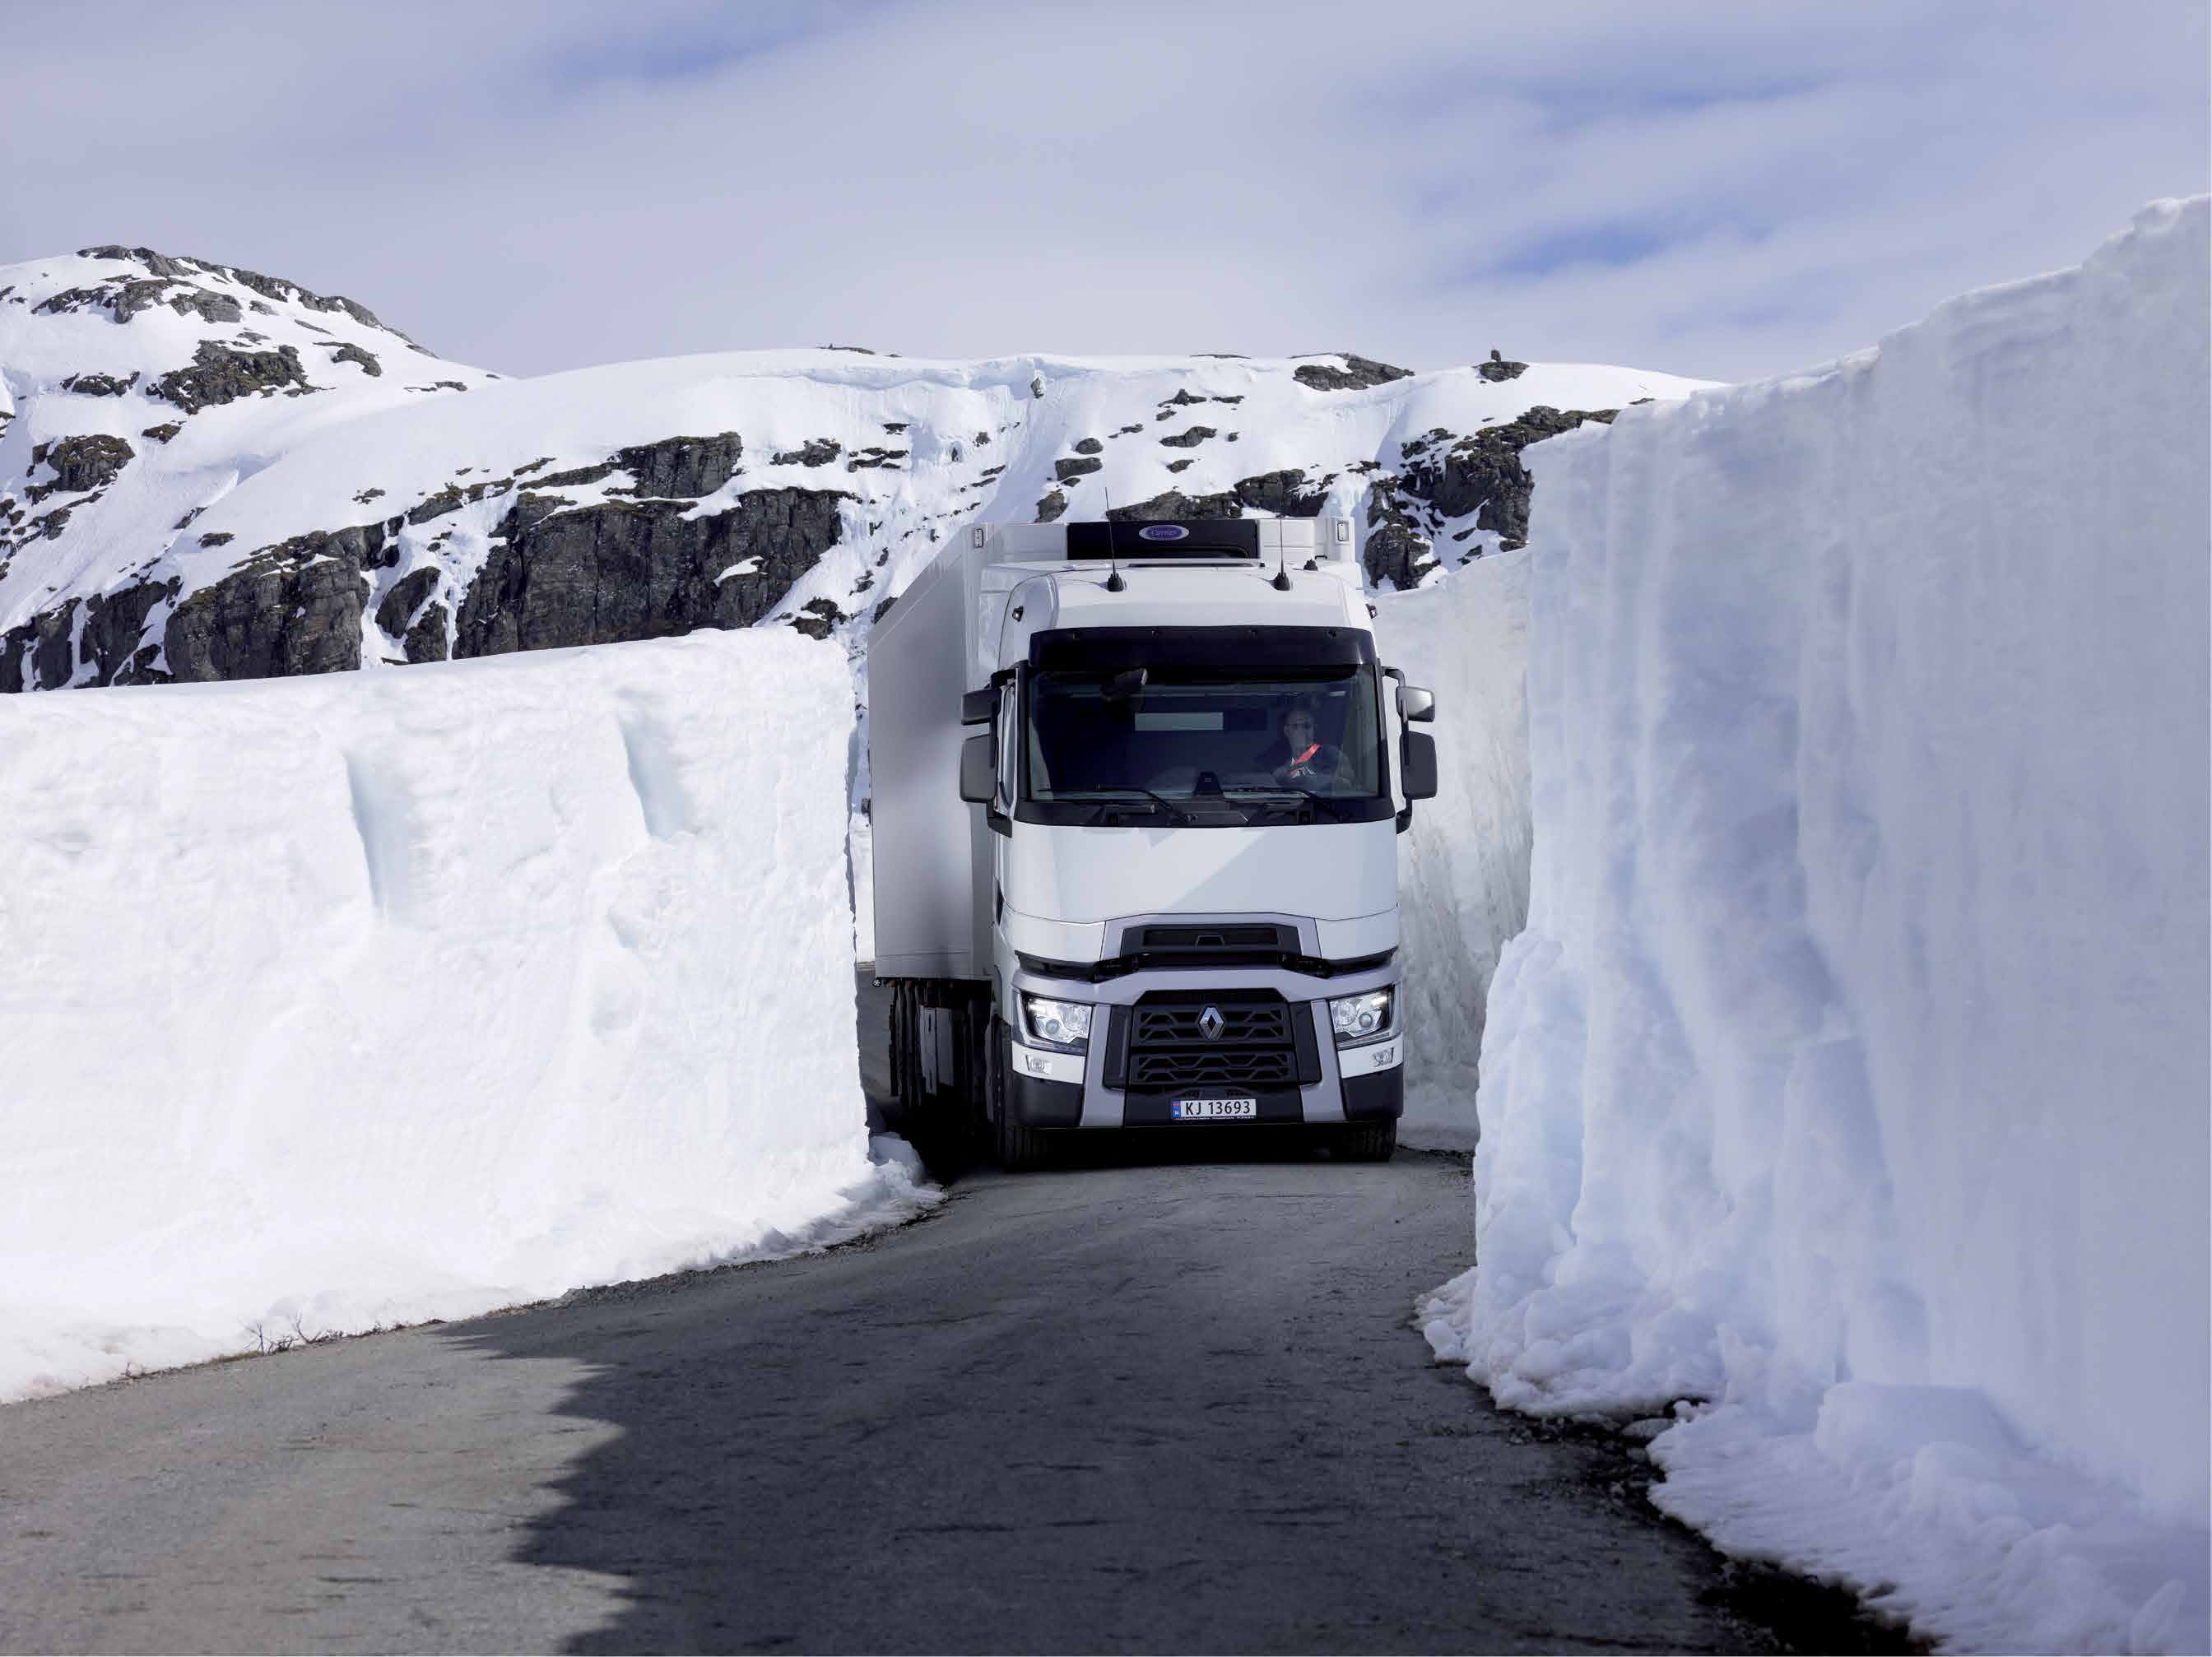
[1211, 1022]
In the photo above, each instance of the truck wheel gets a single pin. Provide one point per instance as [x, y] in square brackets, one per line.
[1368, 1142]
[1018, 1147]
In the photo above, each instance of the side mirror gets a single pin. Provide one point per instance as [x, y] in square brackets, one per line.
[1416, 766]
[979, 772]
[1415, 705]
[1126, 684]
[976, 706]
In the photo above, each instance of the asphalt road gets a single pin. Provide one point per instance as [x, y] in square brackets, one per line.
[1163, 1403]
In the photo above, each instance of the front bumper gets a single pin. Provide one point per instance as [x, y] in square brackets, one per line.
[1046, 1088]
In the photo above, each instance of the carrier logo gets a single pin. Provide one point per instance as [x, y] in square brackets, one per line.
[1211, 1023]
[1163, 532]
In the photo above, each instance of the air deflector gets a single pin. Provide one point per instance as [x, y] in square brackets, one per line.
[1211, 538]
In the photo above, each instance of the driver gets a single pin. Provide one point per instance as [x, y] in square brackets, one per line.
[1297, 758]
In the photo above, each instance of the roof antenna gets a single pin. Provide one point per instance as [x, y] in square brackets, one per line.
[1113, 581]
[1282, 581]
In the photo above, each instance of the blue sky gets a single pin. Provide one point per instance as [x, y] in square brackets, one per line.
[1726, 189]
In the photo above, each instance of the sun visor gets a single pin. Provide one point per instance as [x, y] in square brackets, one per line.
[1236, 650]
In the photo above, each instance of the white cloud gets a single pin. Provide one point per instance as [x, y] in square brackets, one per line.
[536, 190]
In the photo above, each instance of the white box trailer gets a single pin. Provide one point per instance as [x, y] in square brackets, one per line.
[1104, 695]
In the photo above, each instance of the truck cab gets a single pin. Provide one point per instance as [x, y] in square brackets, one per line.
[1137, 788]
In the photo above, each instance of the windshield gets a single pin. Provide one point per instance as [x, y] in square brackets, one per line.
[1187, 735]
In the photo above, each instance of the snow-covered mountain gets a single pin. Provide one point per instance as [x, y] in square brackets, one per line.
[209, 474]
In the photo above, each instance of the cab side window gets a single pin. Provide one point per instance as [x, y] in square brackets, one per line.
[1009, 750]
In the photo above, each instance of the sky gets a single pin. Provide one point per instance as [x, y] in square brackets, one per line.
[1725, 189]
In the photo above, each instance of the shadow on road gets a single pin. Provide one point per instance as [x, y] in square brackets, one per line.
[1168, 1399]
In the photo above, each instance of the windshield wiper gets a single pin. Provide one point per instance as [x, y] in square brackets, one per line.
[1295, 796]
[1121, 799]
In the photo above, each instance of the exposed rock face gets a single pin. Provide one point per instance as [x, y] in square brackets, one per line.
[1066, 471]
[1286, 494]
[185, 269]
[683, 467]
[114, 629]
[1498, 370]
[1089, 446]
[292, 608]
[1397, 550]
[1176, 507]
[98, 385]
[1358, 372]
[1051, 507]
[1483, 473]
[35, 656]
[426, 640]
[223, 373]
[815, 451]
[404, 598]
[81, 465]
[353, 354]
[1190, 438]
[640, 569]
[819, 618]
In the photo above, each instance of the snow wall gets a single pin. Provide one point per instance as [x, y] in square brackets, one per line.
[338, 1001]
[1463, 864]
[1851, 1074]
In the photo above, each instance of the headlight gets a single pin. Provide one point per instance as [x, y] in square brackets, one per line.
[1064, 1024]
[1360, 1018]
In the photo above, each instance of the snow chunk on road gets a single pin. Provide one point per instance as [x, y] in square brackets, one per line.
[359, 1000]
[1851, 1074]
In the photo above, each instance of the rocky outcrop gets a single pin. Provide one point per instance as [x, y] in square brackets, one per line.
[406, 597]
[80, 464]
[1483, 473]
[815, 451]
[38, 655]
[1498, 370]
[114, 640]
[1358, 373]
[1066, 471]
[640, 569]
[682, 468]
[1286, 494]
[1188, 438]
[186, 269]
[223, 373]
[365, 361]
[98, 385]
[290, 609]
[1176, 507]
[1397, 550]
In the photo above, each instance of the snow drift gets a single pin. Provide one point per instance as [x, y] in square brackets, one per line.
[379, 996]
[1463, 864]
[1851, 1074]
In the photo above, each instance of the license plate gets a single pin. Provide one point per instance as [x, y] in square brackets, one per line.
[1214, 1110]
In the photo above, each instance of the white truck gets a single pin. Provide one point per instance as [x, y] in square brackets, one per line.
[1136, 787]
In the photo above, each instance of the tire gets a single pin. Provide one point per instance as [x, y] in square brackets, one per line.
[1018, 1148]
[1368, 1142]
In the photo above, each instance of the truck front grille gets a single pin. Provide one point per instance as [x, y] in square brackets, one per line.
[1242, 1024]
[1255, 1045]
[1194, 1069]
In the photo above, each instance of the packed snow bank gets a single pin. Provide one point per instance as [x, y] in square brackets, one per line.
[347, 1001]
[1851, 1074]
[1464, 865]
